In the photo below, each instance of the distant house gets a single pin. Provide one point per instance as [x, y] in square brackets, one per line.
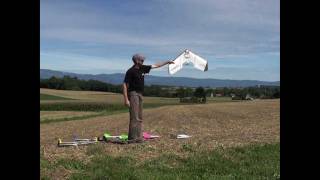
[248, 97]
[218, 95]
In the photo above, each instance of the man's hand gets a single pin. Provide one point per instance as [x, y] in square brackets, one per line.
[127, 103]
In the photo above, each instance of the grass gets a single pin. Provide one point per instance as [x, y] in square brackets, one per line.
[100, 101]
[259, 161]
[114, 98]
[100, 109]
[80, 106]
[102, 97]
[52, 97]
[62, 114]
[92, 106]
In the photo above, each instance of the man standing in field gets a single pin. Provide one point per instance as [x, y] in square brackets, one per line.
[133, 86]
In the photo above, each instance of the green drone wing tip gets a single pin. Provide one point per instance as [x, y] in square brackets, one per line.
[124, 137]
[106, 135]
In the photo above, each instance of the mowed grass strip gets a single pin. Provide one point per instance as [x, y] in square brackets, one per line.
[95, 96]
[259, 161]
[52, 116]
[113, 98]
[52, 97]
[61, 114]
[80, 106]
[92, 106]
[73, 118]
[86, 110]
[102, 106]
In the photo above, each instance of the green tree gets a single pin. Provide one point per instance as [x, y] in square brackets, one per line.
[55, 83]
[200, 93]
[188, 92]
[209, 91]
[181, 92]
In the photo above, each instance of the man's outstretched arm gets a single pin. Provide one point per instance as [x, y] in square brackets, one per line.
[157, 65]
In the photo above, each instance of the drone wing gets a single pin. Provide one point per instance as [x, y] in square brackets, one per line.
[187, 57]
[198, 62]
[178, 63]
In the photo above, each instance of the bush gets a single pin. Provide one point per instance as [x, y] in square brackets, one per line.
[193, 100]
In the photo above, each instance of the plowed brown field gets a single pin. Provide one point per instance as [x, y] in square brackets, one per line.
[210, 125]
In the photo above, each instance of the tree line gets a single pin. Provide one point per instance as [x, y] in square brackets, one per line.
[262, 92]
[73, 83]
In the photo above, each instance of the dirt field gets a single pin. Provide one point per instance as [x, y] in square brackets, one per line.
[210, 125]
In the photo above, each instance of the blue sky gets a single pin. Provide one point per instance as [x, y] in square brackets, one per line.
[239, 38]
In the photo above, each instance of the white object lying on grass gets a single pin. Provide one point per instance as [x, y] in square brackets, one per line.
[77, 142]
[183, 136]
[73, 143]
[188, 57]
[76, 139]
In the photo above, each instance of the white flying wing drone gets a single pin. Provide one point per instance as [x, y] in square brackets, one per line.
[188, 57]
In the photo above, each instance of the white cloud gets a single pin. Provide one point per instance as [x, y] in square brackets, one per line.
[81, 62]
[221, 26]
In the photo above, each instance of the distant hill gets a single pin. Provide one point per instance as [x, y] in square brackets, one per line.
[117, 78]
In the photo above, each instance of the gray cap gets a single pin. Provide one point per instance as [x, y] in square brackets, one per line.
[138, 57]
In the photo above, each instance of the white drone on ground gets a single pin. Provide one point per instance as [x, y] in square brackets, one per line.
[185, 58]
